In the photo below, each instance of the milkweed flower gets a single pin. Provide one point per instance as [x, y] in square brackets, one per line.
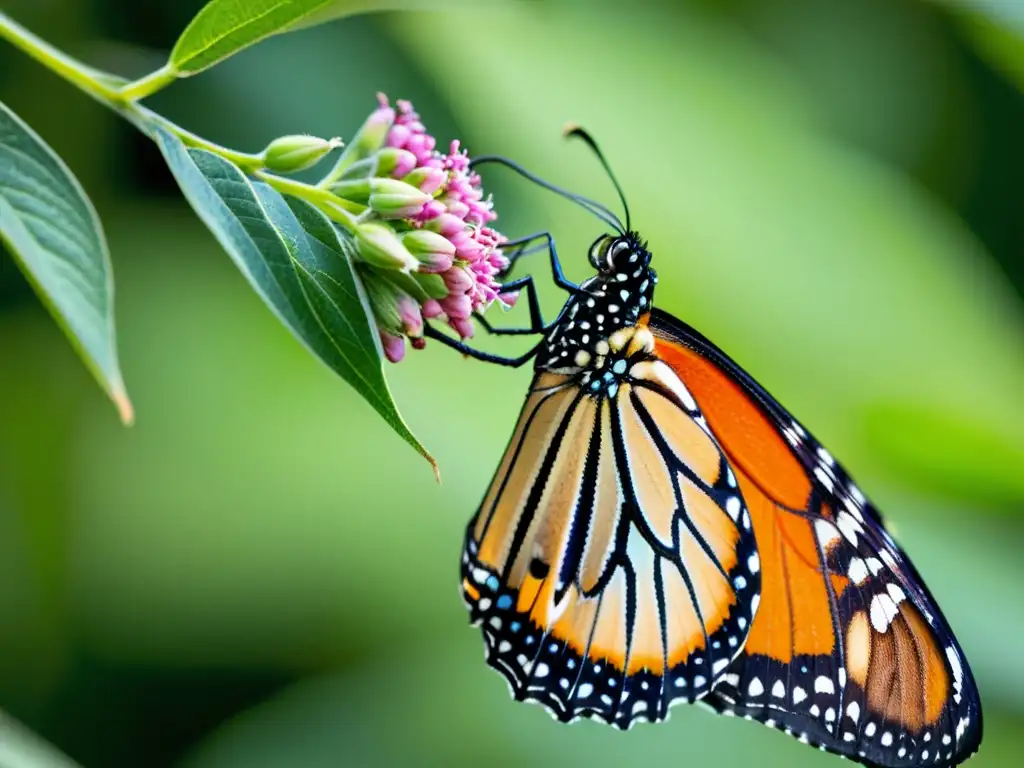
[425, 246]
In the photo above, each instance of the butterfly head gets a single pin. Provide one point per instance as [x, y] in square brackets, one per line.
[612, 254]
[624, 281]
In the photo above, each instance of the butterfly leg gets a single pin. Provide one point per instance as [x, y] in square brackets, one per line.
[556, 265]
[512, 362]
[537, 324]
[526, 284]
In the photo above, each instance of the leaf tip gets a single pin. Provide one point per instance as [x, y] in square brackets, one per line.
[124, 406]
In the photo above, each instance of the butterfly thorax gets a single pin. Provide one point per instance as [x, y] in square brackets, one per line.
[596, 324]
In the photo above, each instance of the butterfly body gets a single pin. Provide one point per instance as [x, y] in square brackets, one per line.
[660, 529]
[613, 299]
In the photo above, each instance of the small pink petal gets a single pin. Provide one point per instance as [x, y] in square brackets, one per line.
[432, 308]
[457, 306]
[398, 136]
[458, 280]
[463, 327]
[394, 346]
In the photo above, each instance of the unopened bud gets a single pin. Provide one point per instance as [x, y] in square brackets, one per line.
[434, 252]
[426, 179]
[458, 280]
[394, 346]
[356, 190]
[432, 285]
[379, 246]
[409, 315]
[383, 300]
[392, 161]
[394, 199]
[290, 154]
[457, 306]
[447, 225]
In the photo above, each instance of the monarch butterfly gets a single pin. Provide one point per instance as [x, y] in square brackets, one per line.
[660, 529]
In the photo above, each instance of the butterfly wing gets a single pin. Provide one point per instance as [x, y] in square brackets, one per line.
[609, 565]
[848, 651]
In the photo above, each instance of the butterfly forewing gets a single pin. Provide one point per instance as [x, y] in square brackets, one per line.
[848, 650]
[612, 565]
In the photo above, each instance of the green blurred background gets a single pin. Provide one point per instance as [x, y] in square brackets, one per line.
[259, 573]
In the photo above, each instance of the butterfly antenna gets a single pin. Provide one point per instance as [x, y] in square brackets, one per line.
[592, 206]
[575, 131]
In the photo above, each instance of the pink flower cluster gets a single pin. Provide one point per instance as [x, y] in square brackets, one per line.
[459, 213]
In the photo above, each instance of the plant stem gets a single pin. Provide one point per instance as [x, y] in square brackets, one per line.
[115, 92]
[332, 206]
[148, 85]
[99, 85]
[248, 162]
[122, 97]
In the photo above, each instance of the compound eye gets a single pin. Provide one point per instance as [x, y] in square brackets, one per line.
[617, 250]
[599, 251]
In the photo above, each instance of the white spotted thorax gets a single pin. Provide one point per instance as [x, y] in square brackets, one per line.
[596, 333]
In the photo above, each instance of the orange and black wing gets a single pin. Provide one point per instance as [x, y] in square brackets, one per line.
[611, 565]
[848, 650]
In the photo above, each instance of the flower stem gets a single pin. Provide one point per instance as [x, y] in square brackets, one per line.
[148, 85]
[247, 161]
[100, 85]
[117, 93]
[123, 97]
[336, 209]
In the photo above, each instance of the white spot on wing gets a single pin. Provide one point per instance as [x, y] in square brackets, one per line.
[826, 533]
[824, 684]
[883, 611]
[858, 571]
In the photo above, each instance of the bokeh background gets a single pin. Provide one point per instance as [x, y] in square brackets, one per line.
[259, 573]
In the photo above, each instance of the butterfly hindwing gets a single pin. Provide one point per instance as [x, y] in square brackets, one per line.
[848, 650]
[612, 565]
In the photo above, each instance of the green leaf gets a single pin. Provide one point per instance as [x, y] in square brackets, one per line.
[20, 748]
[224, 27]
[51, 229]
[297, 261]
[998, 38]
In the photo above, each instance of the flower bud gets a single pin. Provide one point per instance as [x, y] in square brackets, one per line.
[290, 154]
[458, 306]
[379, 246]
[391, 161]
[428, 180]
[383, 300]
[355, 190]
[458, 280]
[446, 224]
[432, 285]
[463, 327]
[409, 315]
[435, 253]
[394, 346]
[394, 199]
[406, 282]
[432, 308]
